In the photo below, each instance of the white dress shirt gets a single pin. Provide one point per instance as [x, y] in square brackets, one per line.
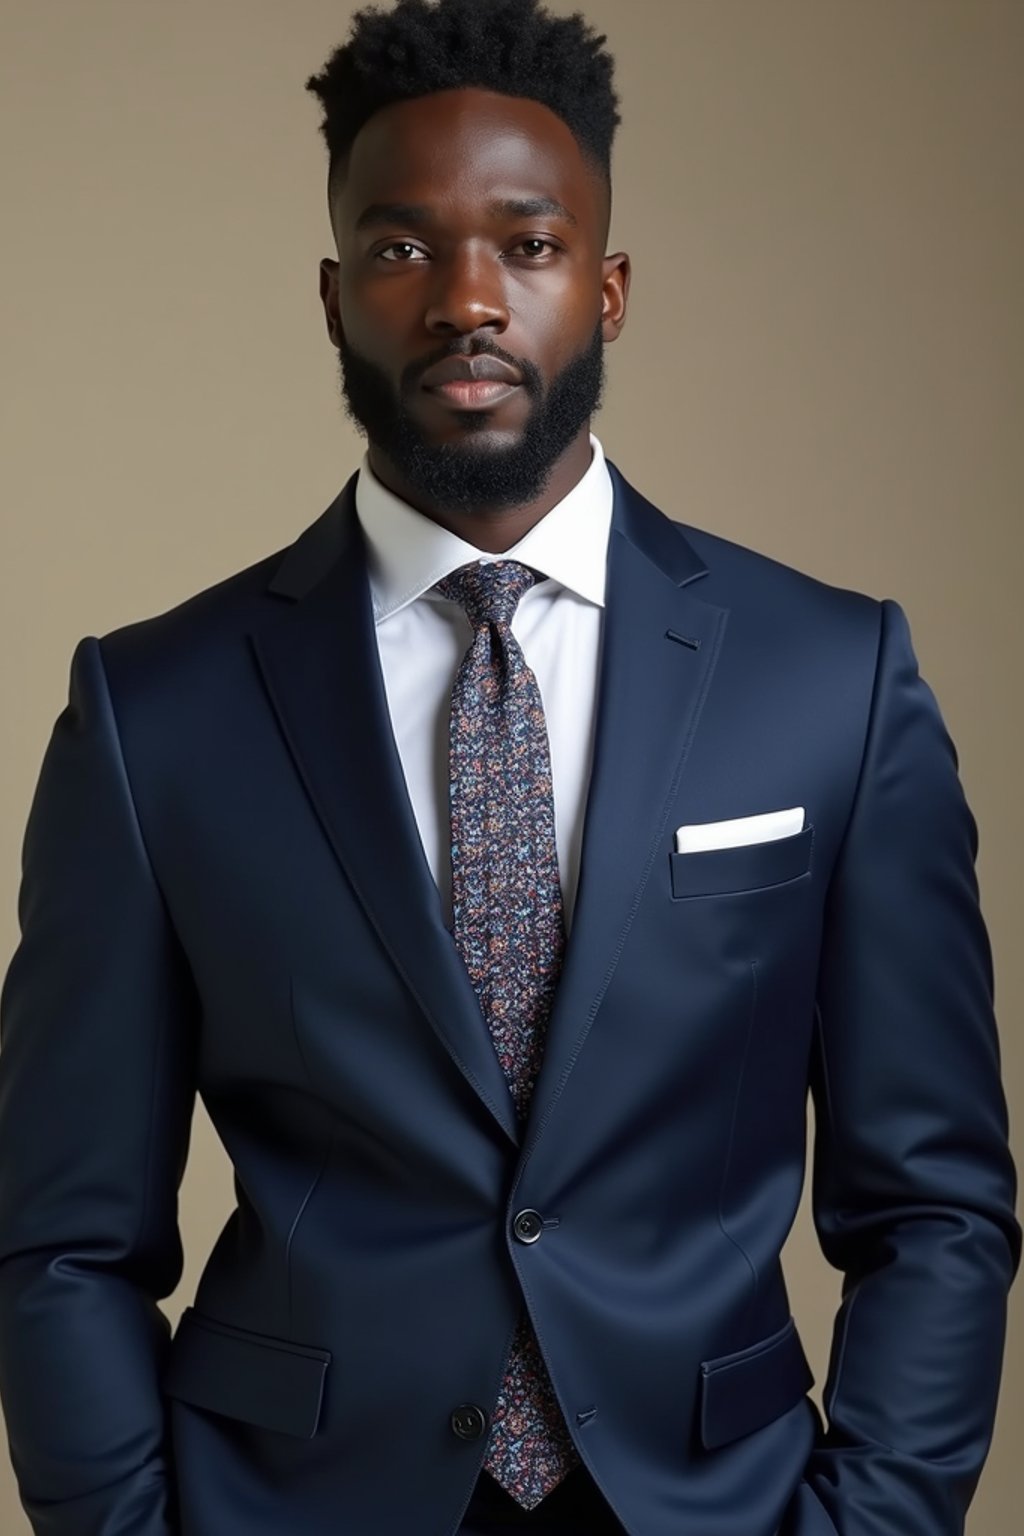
[422, 638]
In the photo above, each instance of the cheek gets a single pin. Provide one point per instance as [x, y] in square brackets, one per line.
[563, 312]
[377, 327]
[369, 306]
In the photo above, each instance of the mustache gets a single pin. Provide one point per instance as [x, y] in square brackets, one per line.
[471, 349]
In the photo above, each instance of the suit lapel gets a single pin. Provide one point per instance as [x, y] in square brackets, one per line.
[317, 650]
[659, 648]
[318, 654]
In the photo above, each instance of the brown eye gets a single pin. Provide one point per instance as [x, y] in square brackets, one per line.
[399, 245]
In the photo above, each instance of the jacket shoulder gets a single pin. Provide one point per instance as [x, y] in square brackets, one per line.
[754, 568]
[211, 626]
[738, 577]
[768, 591]
[191, 640]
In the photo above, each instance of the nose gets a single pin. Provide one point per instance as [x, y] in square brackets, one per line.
[468, 292]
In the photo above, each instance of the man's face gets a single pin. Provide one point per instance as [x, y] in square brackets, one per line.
[437, 261]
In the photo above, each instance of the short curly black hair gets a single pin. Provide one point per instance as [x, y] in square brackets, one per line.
[513, 46]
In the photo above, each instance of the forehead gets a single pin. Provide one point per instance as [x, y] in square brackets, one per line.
[466, 146]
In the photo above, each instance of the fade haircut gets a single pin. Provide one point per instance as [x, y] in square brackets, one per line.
[515, 47]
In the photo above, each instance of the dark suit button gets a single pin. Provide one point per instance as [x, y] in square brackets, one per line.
[527, 1226]
[469, 1421]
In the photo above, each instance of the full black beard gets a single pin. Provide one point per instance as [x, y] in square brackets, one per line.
[469, 475]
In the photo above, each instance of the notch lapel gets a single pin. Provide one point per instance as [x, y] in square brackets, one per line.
[317, 651]
[659, 647]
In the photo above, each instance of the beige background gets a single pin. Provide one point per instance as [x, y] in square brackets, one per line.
[824, 202]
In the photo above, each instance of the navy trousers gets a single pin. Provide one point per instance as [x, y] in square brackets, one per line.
[575, 1508]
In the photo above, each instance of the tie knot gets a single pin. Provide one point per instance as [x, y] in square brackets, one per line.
[488, 591]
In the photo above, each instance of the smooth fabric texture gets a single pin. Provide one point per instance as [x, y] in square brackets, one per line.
[508, 929]
[422, 637]
[225, 893]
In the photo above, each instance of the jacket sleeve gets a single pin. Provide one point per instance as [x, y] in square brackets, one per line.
[97, 1032]
[914, 1187]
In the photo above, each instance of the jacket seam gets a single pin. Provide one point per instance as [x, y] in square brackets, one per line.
[820, 1027]
[115, 736]
[872, 707]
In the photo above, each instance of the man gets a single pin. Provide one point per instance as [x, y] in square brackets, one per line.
[503, 862]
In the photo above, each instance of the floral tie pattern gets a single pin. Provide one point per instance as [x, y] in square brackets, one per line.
[508, 926]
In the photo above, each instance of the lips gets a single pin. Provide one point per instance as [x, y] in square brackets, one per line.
[470, 370]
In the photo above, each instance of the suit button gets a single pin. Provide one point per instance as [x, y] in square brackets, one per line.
[468, 1421]
[527, 1226]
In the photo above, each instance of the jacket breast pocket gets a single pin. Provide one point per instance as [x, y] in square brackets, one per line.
[749, 867]
[272, 1383]
[745, 1390]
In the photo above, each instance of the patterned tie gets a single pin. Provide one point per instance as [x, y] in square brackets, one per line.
[509, 929]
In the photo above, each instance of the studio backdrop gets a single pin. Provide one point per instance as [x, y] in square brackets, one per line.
[823, 359]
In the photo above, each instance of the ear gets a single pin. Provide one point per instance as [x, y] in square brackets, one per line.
[329, 299]
[615, 294]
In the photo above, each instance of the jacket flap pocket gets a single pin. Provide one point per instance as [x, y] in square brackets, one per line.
[743, 1391]
[249, 1376]
[747, 867]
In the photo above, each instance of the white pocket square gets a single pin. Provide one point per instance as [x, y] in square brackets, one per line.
[704, 835]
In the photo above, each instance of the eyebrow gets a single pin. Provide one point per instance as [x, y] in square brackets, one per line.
[501, 208]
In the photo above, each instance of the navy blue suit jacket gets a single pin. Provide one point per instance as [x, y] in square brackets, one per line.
[224, 892]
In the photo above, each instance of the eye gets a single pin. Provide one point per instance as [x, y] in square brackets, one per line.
[399, 245]
[539, 240]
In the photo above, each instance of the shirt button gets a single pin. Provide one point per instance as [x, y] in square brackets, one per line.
[527, 1226]
[468, 1421]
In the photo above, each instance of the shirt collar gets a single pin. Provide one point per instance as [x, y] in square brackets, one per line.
[408, 552]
